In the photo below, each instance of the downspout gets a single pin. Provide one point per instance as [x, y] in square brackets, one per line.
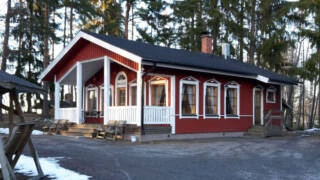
[142, 98]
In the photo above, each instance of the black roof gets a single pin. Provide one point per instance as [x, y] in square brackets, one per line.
[9, 82]
[158, 54]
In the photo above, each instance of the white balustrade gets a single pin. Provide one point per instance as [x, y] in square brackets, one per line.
[67, 114]
[152, 114]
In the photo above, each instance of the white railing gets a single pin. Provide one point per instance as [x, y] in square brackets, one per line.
[157, 115]
[127, 113]
[67, 114]
[152, 114]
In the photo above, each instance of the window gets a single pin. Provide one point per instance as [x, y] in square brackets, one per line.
[211, 99]
[189, 94]
[102, 98]
[121, 89]
[232, 100]
[158, 90]
[92, 99]
[271, 95]
[133, 93]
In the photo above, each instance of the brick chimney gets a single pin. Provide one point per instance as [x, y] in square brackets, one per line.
[206, 43]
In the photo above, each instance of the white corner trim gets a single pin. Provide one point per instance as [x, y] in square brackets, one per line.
[235, 85]
[193, 82]
[262, 79]
[208, 84]
[94, 40]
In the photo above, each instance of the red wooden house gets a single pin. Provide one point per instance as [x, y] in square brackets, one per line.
[191, 92]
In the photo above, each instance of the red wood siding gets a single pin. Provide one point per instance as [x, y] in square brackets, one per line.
[81, 51]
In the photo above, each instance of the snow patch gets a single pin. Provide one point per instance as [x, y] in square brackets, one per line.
[6, 131]
[312, 130]
[50, 167]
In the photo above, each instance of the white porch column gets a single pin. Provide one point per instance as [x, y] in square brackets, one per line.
[79, 94]
[139, 95]
[173, 105]
[106, 88]
[56, 98]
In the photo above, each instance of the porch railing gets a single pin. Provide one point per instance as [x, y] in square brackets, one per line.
[152, 114]
[67, 114]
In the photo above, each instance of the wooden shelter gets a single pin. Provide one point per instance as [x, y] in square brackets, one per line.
[19, 132]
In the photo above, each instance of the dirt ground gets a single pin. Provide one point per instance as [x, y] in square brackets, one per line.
[219, 158]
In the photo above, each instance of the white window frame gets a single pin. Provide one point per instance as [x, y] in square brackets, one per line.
[211, 83]
[191, 81]
[111, 93]
[117, 86]
[91, 87]
[274, 90]
[153, 81]
[235, 85]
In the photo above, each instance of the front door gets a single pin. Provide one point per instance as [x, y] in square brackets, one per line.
[257, 107]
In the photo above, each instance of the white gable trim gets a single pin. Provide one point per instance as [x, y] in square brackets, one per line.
[94, 40]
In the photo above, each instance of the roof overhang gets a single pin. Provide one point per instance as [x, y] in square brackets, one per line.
[92, 39]
[260, 78]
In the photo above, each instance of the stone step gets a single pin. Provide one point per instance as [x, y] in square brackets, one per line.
[81, 130]
[67, 133]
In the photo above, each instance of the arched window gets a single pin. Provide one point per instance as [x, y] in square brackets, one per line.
[189, 98]
[121, 89]
[158, 91]
[232, 100]
[211, 102]
[92, 99]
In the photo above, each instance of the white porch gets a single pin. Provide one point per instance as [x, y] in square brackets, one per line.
[82, 71]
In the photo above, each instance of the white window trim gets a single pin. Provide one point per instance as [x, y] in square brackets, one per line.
[258, 88]
[206, 84]
[232, 85]
[152, 81]
[89, 88]
[111, 93]
[274, 90]
[125, 86]
[191, 82]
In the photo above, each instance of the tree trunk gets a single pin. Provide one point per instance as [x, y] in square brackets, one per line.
[241, 37]
[311, 107]
[5, 49]
[299, 108]
[126, 18]
[64, 27]
[46, 61]
[71, 21]
[252, 32]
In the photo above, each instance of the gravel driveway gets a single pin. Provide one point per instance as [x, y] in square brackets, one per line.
[219, 158]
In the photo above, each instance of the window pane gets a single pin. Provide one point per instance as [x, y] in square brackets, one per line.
[188, 99]
[92, 101]
[134, 95]
[271, 96]
[231, 101]
[121, 96]
[211, 100]
[158, 95]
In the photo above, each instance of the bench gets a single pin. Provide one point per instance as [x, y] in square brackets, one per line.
[112, 130]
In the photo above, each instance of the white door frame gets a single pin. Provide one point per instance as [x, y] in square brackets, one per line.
[258, 88]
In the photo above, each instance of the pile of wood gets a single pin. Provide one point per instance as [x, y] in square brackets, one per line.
[113, 130]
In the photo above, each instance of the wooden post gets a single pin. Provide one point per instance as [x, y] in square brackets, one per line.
[79, 93]
[7, 172]
[106, 88]
[17, 105]
[35, 158]
[10, 114]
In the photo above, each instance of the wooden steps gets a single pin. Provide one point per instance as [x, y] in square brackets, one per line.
[87, 130]
[262, 131]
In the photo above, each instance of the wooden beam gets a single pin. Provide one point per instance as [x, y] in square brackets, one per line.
[36, 158]
[17, 105]
[7, 171]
